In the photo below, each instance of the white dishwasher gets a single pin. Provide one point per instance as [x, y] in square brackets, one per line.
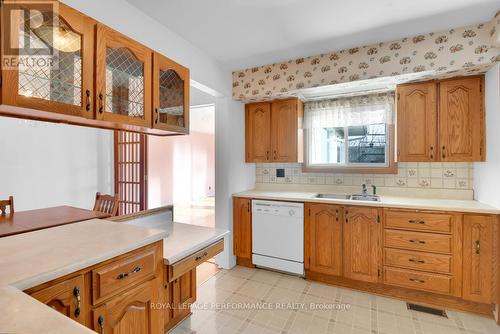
[278, 235]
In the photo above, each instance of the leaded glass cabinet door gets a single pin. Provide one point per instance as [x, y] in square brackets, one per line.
[123, 72]
[171, 95]
[53, 45]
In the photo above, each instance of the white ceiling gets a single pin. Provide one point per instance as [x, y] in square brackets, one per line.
[246, 33]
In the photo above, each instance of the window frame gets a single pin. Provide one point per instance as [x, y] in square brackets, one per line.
[390, 168]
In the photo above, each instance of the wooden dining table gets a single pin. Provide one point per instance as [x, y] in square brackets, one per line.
[32, 220]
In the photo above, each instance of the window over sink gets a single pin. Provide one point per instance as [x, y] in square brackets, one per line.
[353, 134]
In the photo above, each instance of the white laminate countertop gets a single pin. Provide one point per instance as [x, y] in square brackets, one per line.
[468, 206]
[30, 259]
[183, 239]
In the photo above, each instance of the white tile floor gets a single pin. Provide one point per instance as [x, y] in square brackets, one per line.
[366, 313]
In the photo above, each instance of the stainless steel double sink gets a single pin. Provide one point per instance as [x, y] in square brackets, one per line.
[369, 198]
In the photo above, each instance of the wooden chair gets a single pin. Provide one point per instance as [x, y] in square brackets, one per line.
[107, 204]
[7, 203]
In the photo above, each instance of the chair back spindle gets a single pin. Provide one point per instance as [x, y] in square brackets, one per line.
[106, 204]
[7, 203]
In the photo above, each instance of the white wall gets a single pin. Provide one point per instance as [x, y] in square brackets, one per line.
[487, 174]
[44, 164]
[232, 174]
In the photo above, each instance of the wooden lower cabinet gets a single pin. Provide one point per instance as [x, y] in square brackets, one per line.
[323, 229]
[130, 307]
[181, 293]
[478, 258]
[362, 243]
[67, 297]
[131, 312]
[242, 231]
[438, 258]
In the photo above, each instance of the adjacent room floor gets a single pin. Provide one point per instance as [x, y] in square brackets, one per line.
[362, 313]
[200, 212]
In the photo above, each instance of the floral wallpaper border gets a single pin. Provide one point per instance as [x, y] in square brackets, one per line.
[465, 50]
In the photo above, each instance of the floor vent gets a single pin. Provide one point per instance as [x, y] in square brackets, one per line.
[426, 309]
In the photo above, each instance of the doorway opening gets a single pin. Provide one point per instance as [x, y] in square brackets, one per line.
[181, 171]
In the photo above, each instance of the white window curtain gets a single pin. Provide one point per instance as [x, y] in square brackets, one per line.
[352, 111]
[342, 113]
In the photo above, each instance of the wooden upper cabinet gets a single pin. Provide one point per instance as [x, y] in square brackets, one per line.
[441, 120]
[242, 227]
[54, 45]
[170, 95]
[67, 297]
[323, 225]
[131, 312]
[461, 119]
[285, 122]
[362, 243]
[417, 122]
[273, 131]
[478, 255]
[258, 132]
[123, 79]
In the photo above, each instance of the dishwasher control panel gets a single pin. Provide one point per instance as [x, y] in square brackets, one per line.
[290, 209]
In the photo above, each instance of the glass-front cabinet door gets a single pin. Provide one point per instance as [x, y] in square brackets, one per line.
[48, 58]
[170, 95]
[123, 79]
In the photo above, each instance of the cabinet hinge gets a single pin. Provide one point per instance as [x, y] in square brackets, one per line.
[480, 87]
[378, 218]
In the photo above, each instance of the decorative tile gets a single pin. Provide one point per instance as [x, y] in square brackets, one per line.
[448, 172]
[424, 183]
[411, 175]
[411, 172]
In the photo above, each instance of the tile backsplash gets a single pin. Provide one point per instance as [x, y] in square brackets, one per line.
[421, 175]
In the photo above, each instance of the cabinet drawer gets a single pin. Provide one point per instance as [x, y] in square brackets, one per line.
[439, 243]
[417, 260]
[418, 280]
[123, 273]
[419, 221]
[187, 264]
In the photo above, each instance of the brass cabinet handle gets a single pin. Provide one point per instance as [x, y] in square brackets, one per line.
[275, 155]
[416, 261]
[337, 215]
[76, 294]
[267, 155]
[432, 152]
[416, 280]
[87, 93]
[101, 106]
[411, 221]
[157, 116]
[478, 247]
[198, 258]
[100, 322]
[125, 275]
[347, 216]
[417, 241]
[444, 152]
